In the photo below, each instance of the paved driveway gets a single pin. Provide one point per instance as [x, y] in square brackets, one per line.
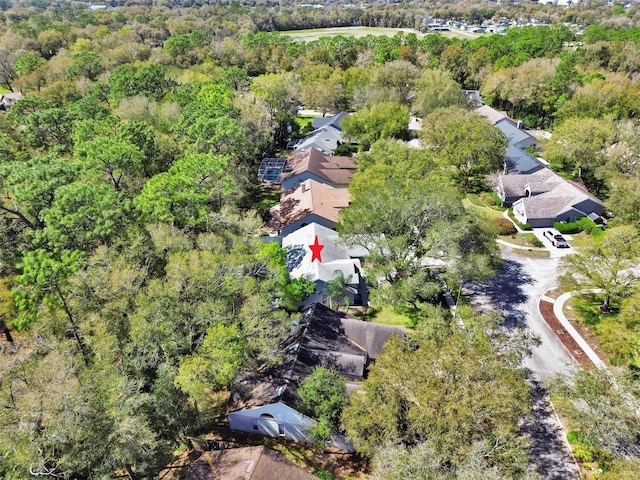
[515, 292]
[555, 252]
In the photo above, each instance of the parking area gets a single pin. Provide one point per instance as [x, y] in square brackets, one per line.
[554, 251]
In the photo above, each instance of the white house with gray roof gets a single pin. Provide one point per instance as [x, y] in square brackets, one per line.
[336, 258]
[543, 197]
[517, 159]
[540, 197]
[326, 136]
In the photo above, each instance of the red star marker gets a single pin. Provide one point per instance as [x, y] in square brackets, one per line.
[316, 248]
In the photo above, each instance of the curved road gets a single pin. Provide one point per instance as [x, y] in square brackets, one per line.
[515, 292]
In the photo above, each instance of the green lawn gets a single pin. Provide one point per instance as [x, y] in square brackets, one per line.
[619, 340]
[303, 121]
[528, 253]
[357, 32]
[473, 202]
[583, 239]
[389, 316]
[4, 89]
[524, 240]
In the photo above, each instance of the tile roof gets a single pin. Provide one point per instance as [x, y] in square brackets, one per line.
[336, 170]
[249, 463]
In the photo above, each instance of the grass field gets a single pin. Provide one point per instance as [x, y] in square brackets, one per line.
[385, 314]
[316, 33]
[472, 202]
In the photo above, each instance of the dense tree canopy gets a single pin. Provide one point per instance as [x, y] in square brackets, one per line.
[466, 395]
[410, 220]
[129, 260]
[610, 266]
[380, 121]
[464, 143]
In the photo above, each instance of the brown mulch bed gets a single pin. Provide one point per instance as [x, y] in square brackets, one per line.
[546, 310]
[587, 333]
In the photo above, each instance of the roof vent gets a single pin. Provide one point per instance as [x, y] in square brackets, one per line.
[295, 327]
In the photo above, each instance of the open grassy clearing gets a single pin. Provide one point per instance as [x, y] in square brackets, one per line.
[521, 239]
[528, 253]
[583, 239]
[357, 32]
[472, 202]
[387, 315]
[304, 122]
[316, 33]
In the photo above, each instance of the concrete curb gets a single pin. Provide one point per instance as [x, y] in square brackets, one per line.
[558, 306]
[520, 247]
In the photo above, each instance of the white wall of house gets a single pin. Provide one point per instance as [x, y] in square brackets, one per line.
[519, 211]
[280, 420]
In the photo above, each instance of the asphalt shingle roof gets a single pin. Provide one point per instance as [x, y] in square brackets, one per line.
[248, 463]
[335, 170]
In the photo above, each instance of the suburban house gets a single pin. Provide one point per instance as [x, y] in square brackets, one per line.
[8, 99]
[248, 463]
[540, 197]
[333, 121]
[312, 164]
[269, 405]
[517, 160]
[310, 202]
[326, 136]
[544, 197]
[308, 163]
[316, 253]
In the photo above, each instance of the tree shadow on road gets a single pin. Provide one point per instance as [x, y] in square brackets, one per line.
[505, 293]
[549, 452]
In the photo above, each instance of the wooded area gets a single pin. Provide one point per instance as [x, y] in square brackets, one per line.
[135, 291]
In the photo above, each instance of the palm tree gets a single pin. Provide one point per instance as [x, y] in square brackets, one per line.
[337, 287]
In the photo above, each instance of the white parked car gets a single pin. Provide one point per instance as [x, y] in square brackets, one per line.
[556, 239]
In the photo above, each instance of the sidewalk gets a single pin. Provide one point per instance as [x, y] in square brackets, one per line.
[573, 334]
[521, 247]
[505, 214]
